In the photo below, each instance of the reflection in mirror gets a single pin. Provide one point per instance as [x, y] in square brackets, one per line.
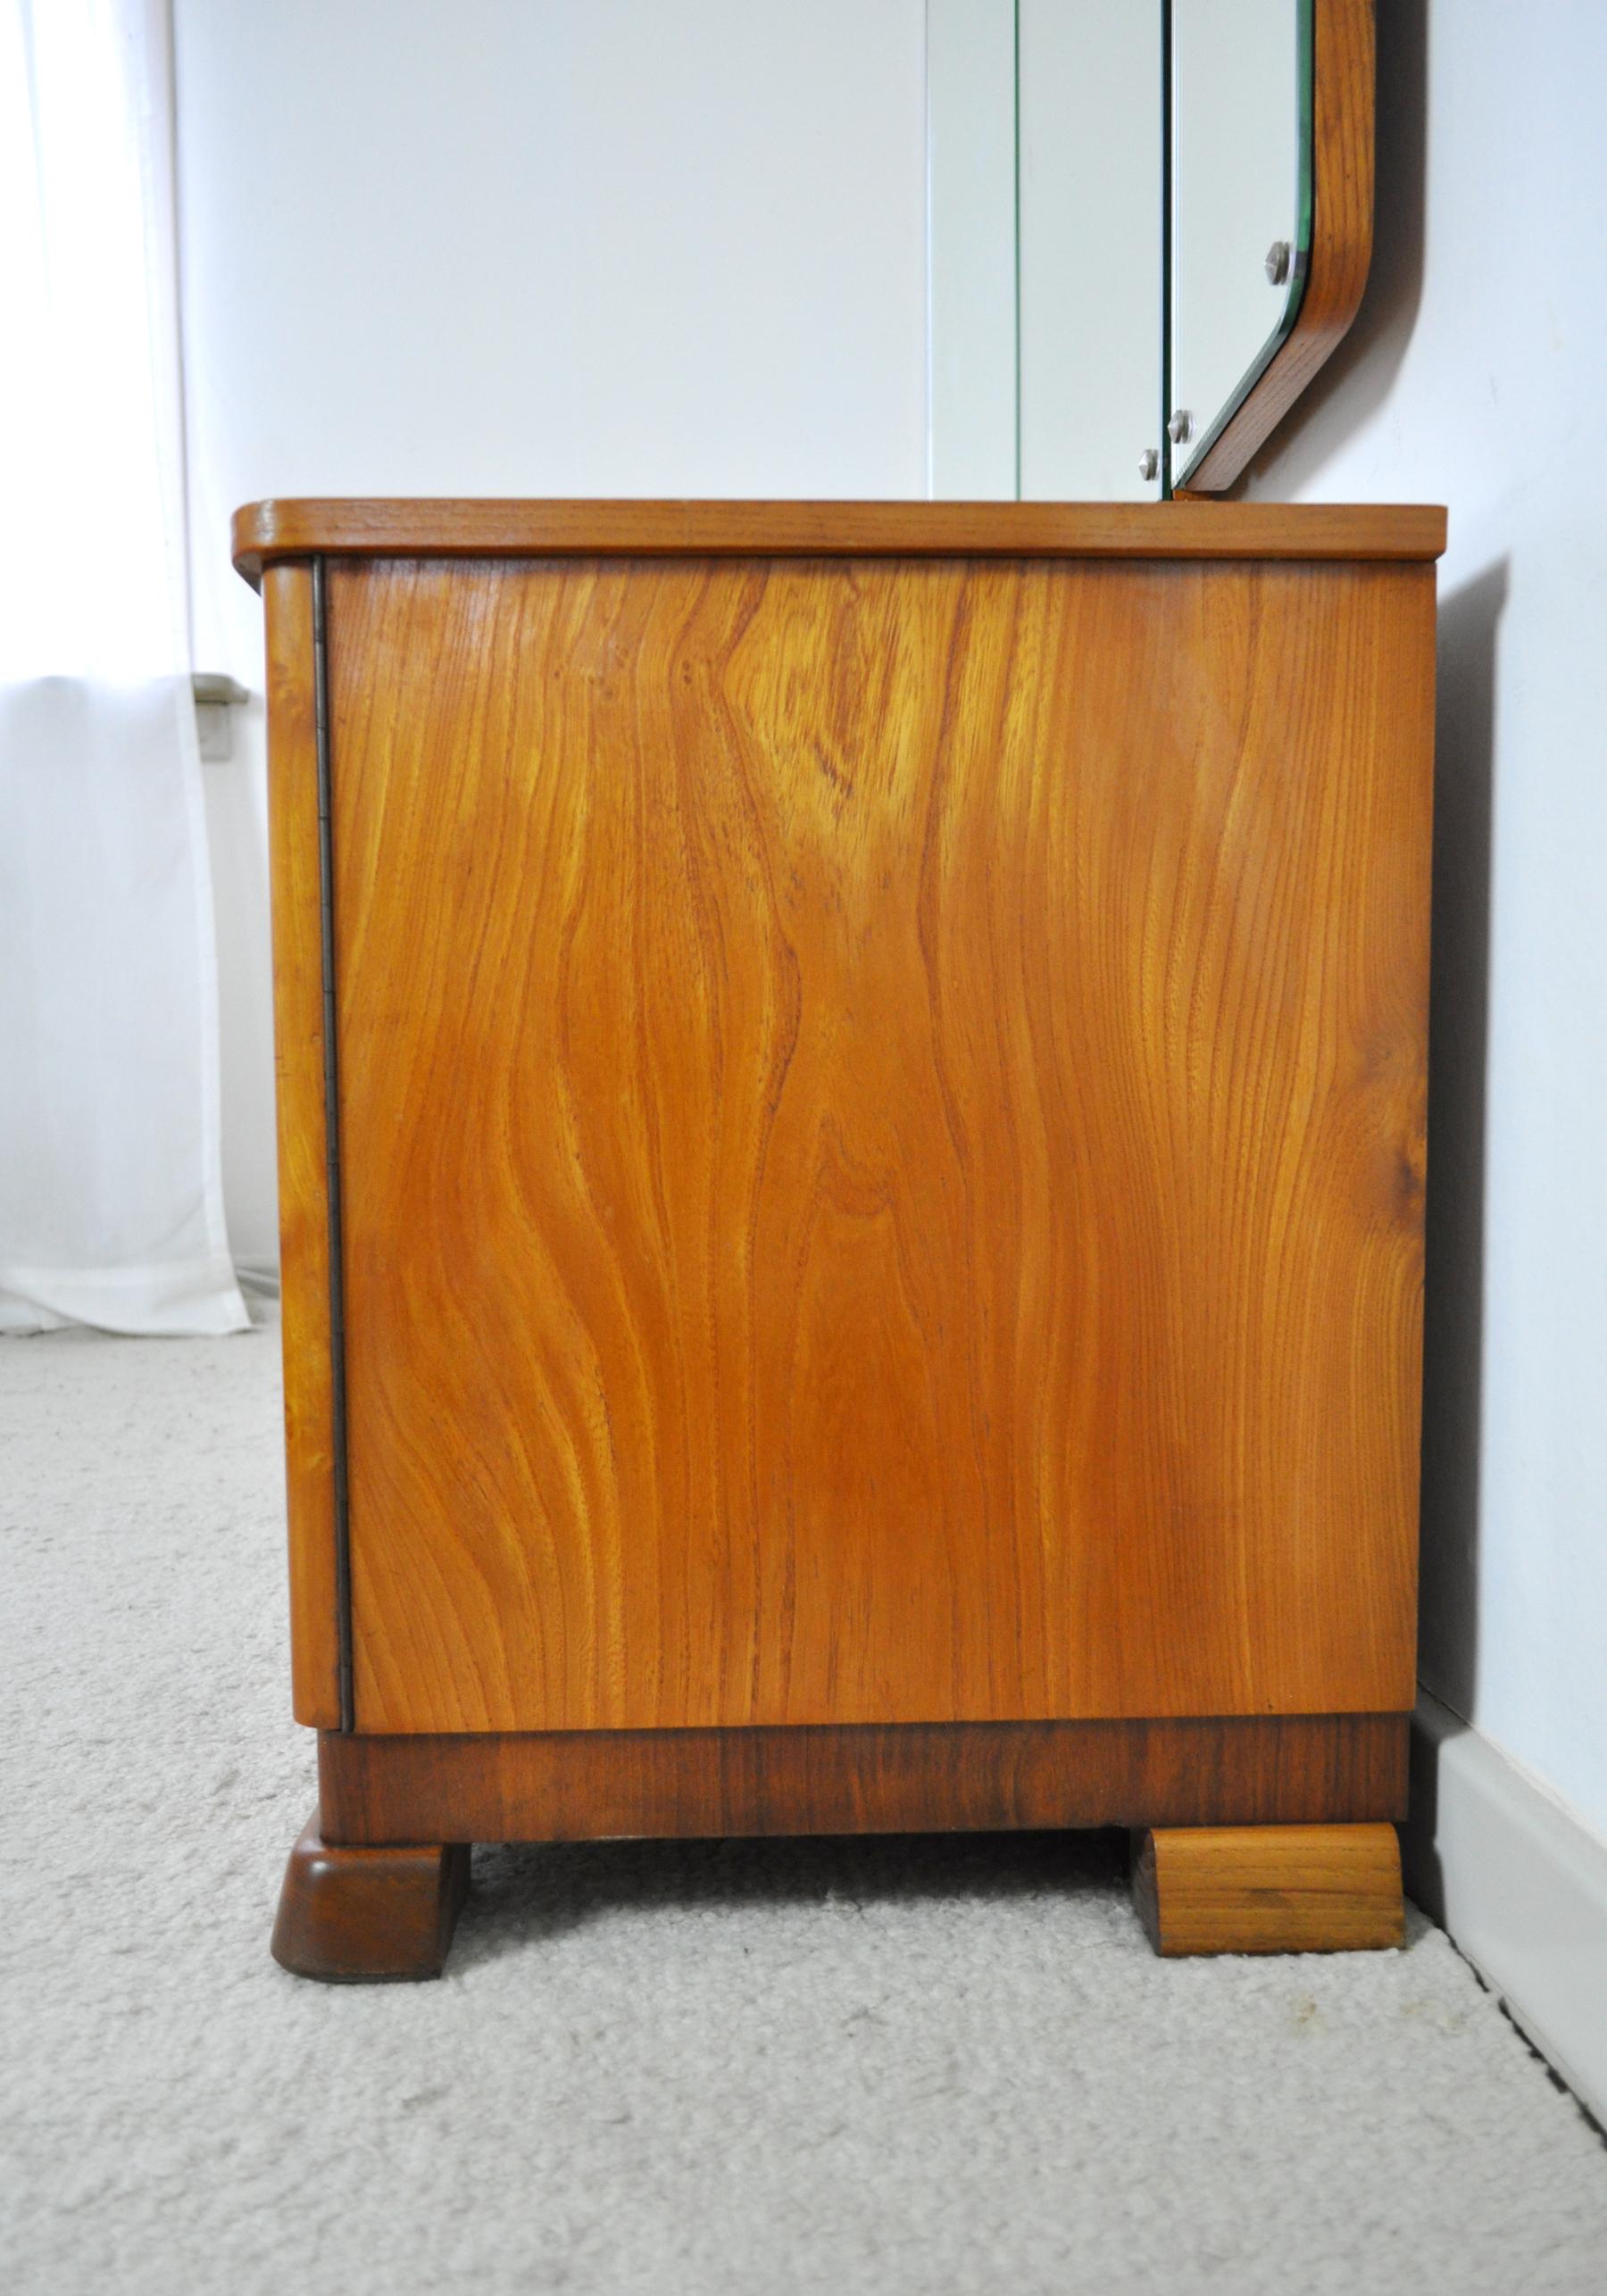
[1241, 98]
[1088, 265]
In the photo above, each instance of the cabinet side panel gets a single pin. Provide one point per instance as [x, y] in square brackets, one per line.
[299, 1026]
[881, 1138]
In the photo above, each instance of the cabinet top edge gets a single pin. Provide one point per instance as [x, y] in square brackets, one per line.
[444, 528]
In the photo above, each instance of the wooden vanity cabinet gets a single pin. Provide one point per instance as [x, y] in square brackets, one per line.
[852, 1155]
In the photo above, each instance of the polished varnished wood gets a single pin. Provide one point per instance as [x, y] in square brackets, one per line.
[1270, 1889]
[1342, 224]
[298, 1003]
[364, 1916]
[579, 1786]
[447, 528]
[882, 1110]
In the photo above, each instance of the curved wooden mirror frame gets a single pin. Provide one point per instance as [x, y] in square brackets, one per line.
[1342, 216]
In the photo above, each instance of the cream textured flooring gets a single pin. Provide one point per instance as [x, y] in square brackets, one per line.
[888, 2067]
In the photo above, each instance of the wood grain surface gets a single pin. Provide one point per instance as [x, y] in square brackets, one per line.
[298, 1023]
[1270, 1889]
[1344, 69]
[883, 1128]
[457, 528]
[580, 1785]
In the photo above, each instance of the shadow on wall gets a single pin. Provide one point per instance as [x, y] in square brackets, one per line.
[1358, 377]
[1458, 1025]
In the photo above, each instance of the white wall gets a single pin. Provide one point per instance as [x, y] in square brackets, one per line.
[1476, 377]
[526, 246]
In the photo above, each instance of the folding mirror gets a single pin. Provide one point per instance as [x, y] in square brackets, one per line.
[1149, 223]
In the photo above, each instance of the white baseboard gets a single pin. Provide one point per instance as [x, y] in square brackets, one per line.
[1520, 1886]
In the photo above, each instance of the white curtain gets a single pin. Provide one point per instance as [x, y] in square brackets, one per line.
[110, 1191]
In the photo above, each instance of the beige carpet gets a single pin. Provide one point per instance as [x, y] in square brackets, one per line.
[925, 2066]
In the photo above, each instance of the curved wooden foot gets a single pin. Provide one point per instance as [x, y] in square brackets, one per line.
[369, 1916]
[1268, 1889]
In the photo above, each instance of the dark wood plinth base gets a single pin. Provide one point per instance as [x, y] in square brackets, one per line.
[862, 1778]
[359, 1902]
[366, 1915]
[1268, 1889]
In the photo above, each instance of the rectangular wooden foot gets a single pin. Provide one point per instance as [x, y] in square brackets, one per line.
[1268, 1889]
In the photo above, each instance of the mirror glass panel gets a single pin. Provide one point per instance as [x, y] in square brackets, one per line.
[1091, 168]
[1119, 228]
